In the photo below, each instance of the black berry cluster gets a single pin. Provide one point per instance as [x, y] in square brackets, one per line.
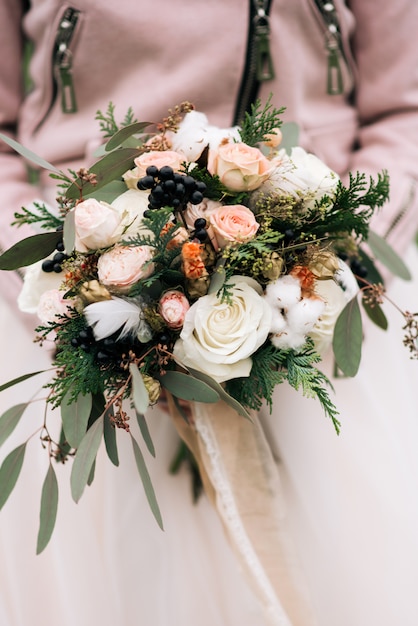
[169, 188]
[55, 264]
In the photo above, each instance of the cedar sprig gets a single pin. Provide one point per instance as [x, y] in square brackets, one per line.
[107, 120]
[42, 216]
[260, 121]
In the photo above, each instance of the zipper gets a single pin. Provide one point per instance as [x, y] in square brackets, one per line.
[333, 44]
[62, 59]
[259, 62]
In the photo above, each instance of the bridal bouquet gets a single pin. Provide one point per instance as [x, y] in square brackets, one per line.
[202, 263]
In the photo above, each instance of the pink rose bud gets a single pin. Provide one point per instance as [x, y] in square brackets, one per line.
[240, 167]
[123, 266]
[173, 308]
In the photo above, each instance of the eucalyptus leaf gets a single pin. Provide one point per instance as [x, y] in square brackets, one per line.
[109, 433]
[69, 232]
[28, 154]
[146, 481]
[140, 394]
[373, 274]
[146, 435]
[110, 192]
[234, 404]
[187, 387]
[109, 168]
[217, 280]
[290, 136]
[92, 472]
[124, 133]
[49, 507]
[387, 255]
[9, 472]
[29, 250]
[348, 338]
[75, 417]
[10, 419]
[376, 314]
[84, 459]
[19, 379]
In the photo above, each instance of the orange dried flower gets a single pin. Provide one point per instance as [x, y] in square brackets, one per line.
[193, 266]
[306, 279]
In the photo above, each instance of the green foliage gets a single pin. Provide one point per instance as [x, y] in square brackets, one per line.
[108, 123]
[43, 217]
[272, 367]
[260, 121]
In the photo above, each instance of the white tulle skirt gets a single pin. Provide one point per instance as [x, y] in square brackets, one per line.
[351, 501]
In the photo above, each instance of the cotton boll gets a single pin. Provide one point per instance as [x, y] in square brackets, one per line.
[287, 340]
[283, 293]
[303, 316]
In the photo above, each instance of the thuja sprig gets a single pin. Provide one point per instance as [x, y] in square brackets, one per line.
[43, 217]
[260, 121]
[108, 123]
[272, 367]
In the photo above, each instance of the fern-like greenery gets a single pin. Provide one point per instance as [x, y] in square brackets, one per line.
[108, 123]
[260, 121]
[272, 367]
[43, 217]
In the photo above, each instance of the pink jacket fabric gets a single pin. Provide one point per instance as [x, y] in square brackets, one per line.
[155, 56]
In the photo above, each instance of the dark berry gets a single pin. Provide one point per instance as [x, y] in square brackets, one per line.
[102, 356]
[189, 182]
[147, 213]
[166, 173]
[60, 246]
[196, 197]
[178, 178]
[84, 335]
[200, 223]
[152, 170]
[48, 265]
[201, 234]
[57, 268]
[85, 347]
[289, 233]
[169, 186]
[74, 342]
[200, 186]
[59, 257]
[180, 190]
[146, 182]
[109, 342]
[176, 203]
[157, 192]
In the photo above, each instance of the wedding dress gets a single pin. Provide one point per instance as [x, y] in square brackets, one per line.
[350, 501]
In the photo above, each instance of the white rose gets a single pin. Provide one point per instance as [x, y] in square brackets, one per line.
[97, 225]
[131, 206]
[195, 133]
[218, 338]
[335, 300]
[302, 176]
[35, 283]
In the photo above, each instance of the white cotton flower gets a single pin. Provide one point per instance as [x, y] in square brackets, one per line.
[36, 282]
[283, 293]
[287, 340]
[195, 134]
[303, 316]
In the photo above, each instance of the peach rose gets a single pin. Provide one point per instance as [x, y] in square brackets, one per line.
[96, 225]
[123, 266]
[233, 223]
[240, 167]
[173, 308]
[159, 158]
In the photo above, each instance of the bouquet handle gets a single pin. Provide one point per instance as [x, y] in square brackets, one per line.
[242, 481]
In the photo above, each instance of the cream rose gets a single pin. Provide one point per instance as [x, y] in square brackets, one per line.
[173, 308]
[131, 206]
[233, 223]
[218, 338]
[239, 167]
[302, 176]
[123, 266]
[97, 225]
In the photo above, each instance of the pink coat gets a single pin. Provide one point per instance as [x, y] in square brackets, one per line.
[153, 57]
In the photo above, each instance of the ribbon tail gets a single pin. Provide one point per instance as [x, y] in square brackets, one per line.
[242, 480]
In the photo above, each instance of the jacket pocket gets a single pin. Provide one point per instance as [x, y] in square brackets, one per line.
[62, 87]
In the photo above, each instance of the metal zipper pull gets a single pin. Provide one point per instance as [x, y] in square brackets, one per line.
[264, 61]
[66, 84]
[335, 85]
[63, 60]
